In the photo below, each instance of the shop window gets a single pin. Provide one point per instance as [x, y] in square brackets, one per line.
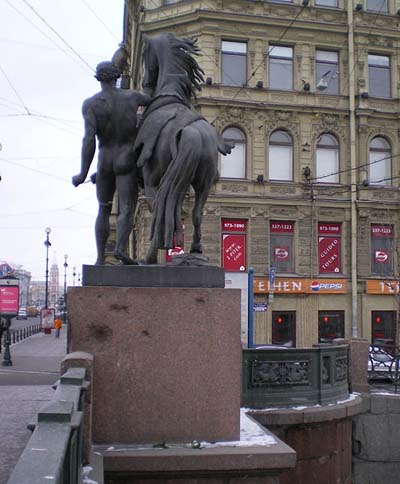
[233, 244]
[382, 250]
[327, 159]
[234, 164]
[280, 156]
[379, 76]
[377, 6]
[284, 328]
[384, 328]
[280, 67]
[330, 325]
[326, 3]
[380, 162]
[329, 248]
[234, 63]
[327, 72]
[281, 246]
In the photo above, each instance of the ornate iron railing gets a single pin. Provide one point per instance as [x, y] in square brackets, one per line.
[295, 376]
[54, 450]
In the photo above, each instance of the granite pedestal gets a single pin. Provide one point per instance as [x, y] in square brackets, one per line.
[167, 361]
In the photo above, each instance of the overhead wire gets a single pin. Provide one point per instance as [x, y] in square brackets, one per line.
[48, 25]
[100, 20]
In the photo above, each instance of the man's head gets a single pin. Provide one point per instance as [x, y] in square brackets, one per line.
[107, 71]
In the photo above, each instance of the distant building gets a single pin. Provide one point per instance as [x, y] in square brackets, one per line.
[54, 284]
[38, 293]
[24, 278]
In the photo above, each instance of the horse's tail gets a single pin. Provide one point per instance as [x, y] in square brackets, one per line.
[173, 187]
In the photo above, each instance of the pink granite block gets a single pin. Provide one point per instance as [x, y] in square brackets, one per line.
[167, 361]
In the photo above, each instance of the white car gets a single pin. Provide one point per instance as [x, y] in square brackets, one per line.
[22, 314]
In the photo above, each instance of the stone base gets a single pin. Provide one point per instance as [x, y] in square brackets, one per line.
[167, 362]
[153, 276]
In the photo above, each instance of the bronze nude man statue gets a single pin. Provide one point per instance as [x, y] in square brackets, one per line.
[111, 116]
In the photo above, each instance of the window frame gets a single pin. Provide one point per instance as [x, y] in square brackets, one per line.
[236, 53]
[321, 148]
[385, 180]
[333, 89]
[274, 59]
[290, 160]
[382, 232]
[231, 155]
[339, 315]
[291, 326]
[376, 67]
[282, 235]
[327, 6]
[376, 10]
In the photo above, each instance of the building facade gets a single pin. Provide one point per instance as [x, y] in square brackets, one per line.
[309, 93]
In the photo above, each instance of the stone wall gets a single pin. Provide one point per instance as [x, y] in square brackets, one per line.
[376, 441]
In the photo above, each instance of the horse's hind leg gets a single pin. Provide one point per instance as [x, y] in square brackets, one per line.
[197, 215]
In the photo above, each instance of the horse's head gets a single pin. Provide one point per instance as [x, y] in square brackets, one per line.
[169, 66]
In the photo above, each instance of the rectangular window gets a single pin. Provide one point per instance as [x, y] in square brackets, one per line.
[281, 246]
[233, 244]
[384, 328]
[284, 328]
[379, 84]
[326, 3]
[330, 325]
[280, 67]
[382, 249]
[377, 6]
[234, 63]
[327, 71]
[329, 248]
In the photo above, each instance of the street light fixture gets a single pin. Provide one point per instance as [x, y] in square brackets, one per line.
[65, 287]
[47, 244]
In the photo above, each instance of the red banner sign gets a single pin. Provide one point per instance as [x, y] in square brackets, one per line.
[282, 227]
[9, 299]
[233, 225]
[329, 228]
[234, 252]
[381, 230]
[329, 254]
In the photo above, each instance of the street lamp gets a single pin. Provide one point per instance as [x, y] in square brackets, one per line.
[73, 276]
[65, 286]
[47, 244]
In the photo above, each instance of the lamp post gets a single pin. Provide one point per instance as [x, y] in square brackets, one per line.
[73, 276]
[47, 244]
[65, 287]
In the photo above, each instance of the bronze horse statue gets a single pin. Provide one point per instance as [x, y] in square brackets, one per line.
[176, 148]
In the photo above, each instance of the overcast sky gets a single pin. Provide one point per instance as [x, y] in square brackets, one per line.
[49, 49]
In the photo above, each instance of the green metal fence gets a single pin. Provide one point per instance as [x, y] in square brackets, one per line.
[54, 451]
[295, 376]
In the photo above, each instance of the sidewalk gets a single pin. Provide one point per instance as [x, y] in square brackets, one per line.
[24, 388]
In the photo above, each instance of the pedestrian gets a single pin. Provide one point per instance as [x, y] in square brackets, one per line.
[58, 326]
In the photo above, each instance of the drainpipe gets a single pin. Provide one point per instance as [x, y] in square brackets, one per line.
[353, 180]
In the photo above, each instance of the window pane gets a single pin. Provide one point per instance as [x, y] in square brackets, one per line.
[280, 163]
[327, 164]
[284, 328]
[379, 82]
[326, 3]
[233, 165]
[327, 55]
[280, 51]
[378, 60]
[377, 5]
[330, 325]
[233, 134]
[281, 74]
[381, 256]
[379, 171]
[234, 47]
[327, 70]
[280, 137]
[233, 70]
[381, 144]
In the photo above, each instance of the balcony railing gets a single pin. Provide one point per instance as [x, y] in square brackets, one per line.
[295, 376]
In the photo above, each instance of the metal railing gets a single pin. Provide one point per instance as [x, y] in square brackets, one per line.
[54, 450]
[295, 376]
[20, 334]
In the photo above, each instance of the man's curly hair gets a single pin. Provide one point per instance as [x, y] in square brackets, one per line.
[107, 71]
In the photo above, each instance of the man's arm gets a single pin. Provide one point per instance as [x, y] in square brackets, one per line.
[88, 143]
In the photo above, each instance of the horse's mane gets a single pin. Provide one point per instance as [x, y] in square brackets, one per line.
[175, 55]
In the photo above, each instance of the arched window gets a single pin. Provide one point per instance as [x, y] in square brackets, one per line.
[327, 159]
[234, 164]
[280, 156]
[380, 161]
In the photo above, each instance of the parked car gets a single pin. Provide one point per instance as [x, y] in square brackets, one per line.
[32, 311]
[22, 314]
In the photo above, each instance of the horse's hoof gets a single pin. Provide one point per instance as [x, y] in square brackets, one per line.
[125, 259]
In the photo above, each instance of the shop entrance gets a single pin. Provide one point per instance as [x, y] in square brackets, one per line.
[284, 328]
